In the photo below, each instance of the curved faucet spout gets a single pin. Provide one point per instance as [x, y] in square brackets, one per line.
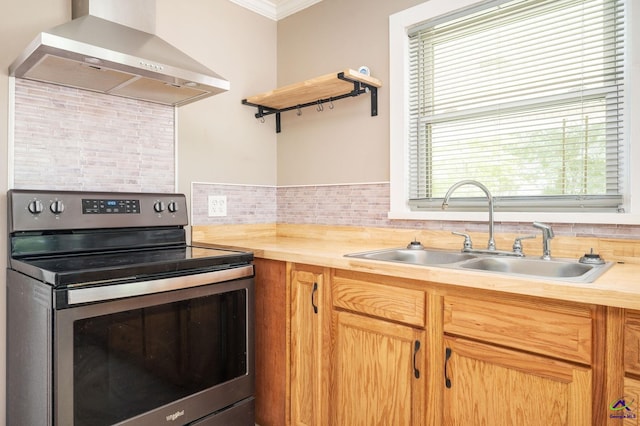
[491, 245]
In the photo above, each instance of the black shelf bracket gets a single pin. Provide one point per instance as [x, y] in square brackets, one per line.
[358, 89]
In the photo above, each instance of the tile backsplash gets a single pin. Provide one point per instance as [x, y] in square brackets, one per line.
[349, 205]
[364, 205]
[246, 204]
[70, 139]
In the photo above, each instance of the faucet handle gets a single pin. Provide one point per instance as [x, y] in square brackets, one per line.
[517, 243]
[467, 239]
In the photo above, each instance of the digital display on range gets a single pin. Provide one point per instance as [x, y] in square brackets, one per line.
[110, 206]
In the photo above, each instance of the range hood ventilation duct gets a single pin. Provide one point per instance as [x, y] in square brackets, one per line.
[110, 47]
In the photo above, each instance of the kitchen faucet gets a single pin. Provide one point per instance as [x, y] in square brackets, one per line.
[491, 245]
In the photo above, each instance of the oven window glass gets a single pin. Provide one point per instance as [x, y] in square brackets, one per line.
[130, 362]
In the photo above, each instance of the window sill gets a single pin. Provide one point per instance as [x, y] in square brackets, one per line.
[482, 216]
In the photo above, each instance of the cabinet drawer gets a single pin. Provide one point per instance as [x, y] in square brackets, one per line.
[632, 342]
[380, 300]
[558, 330]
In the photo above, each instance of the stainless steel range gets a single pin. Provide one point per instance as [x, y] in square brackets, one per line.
[113, 319]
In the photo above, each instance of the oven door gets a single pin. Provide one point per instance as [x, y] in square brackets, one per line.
[165, 358]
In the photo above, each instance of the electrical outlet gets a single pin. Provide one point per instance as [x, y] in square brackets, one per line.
[217, 205]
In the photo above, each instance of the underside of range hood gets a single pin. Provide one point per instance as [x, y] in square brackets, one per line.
[104, 56]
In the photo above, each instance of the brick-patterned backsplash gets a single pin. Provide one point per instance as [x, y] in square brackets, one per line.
[69, 139]
[364, 205]
[246, 204]
[352, 205]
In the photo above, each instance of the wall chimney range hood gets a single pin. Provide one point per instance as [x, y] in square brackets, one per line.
[110, 47]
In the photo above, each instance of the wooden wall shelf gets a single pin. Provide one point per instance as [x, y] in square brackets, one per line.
[315, 92]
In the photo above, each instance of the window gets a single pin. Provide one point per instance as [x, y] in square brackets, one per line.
[527, 97]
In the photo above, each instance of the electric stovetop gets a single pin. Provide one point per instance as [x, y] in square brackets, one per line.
[64, 270]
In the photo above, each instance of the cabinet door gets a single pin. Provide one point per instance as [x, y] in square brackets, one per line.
[306, 287]
[632, 342]
[378, 372]
[489, 385]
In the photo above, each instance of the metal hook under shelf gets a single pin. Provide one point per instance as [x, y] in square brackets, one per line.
[319, 107]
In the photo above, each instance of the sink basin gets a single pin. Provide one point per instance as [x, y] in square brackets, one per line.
[415, 256]
[533, 267]
[562, 269]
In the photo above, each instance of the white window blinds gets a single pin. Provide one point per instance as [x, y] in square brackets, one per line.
[524, 96]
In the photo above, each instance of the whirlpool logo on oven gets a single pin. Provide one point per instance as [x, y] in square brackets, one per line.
[174, 416]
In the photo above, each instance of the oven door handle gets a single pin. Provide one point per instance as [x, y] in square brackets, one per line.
[118, 291]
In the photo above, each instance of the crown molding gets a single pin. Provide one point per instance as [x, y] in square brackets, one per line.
[275, 10]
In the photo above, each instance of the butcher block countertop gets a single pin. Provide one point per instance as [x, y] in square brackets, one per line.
[326, 246]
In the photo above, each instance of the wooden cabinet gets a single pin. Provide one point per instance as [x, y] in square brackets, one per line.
[632, 343]
[378, 367]
[492, 385]
[365, 349]
[270, 344]
[626, 405]
[378, 357]
[307, 332]
[513, 361]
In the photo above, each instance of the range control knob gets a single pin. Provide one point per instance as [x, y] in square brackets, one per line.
[159, 206]
[56, 207]
[173, 207]
[35, 207]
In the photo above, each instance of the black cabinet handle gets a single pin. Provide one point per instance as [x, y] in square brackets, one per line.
[416, 348]
[313, 301]
[447, 380]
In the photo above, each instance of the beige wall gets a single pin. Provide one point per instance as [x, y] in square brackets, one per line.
[346, 144]
[219, 140]
[19, 24]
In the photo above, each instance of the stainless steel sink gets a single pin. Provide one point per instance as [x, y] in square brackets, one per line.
[563, 269]
[534, 267]
[416, 257]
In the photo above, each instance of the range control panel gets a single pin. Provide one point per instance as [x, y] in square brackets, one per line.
[31, 210]
[110, 206]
